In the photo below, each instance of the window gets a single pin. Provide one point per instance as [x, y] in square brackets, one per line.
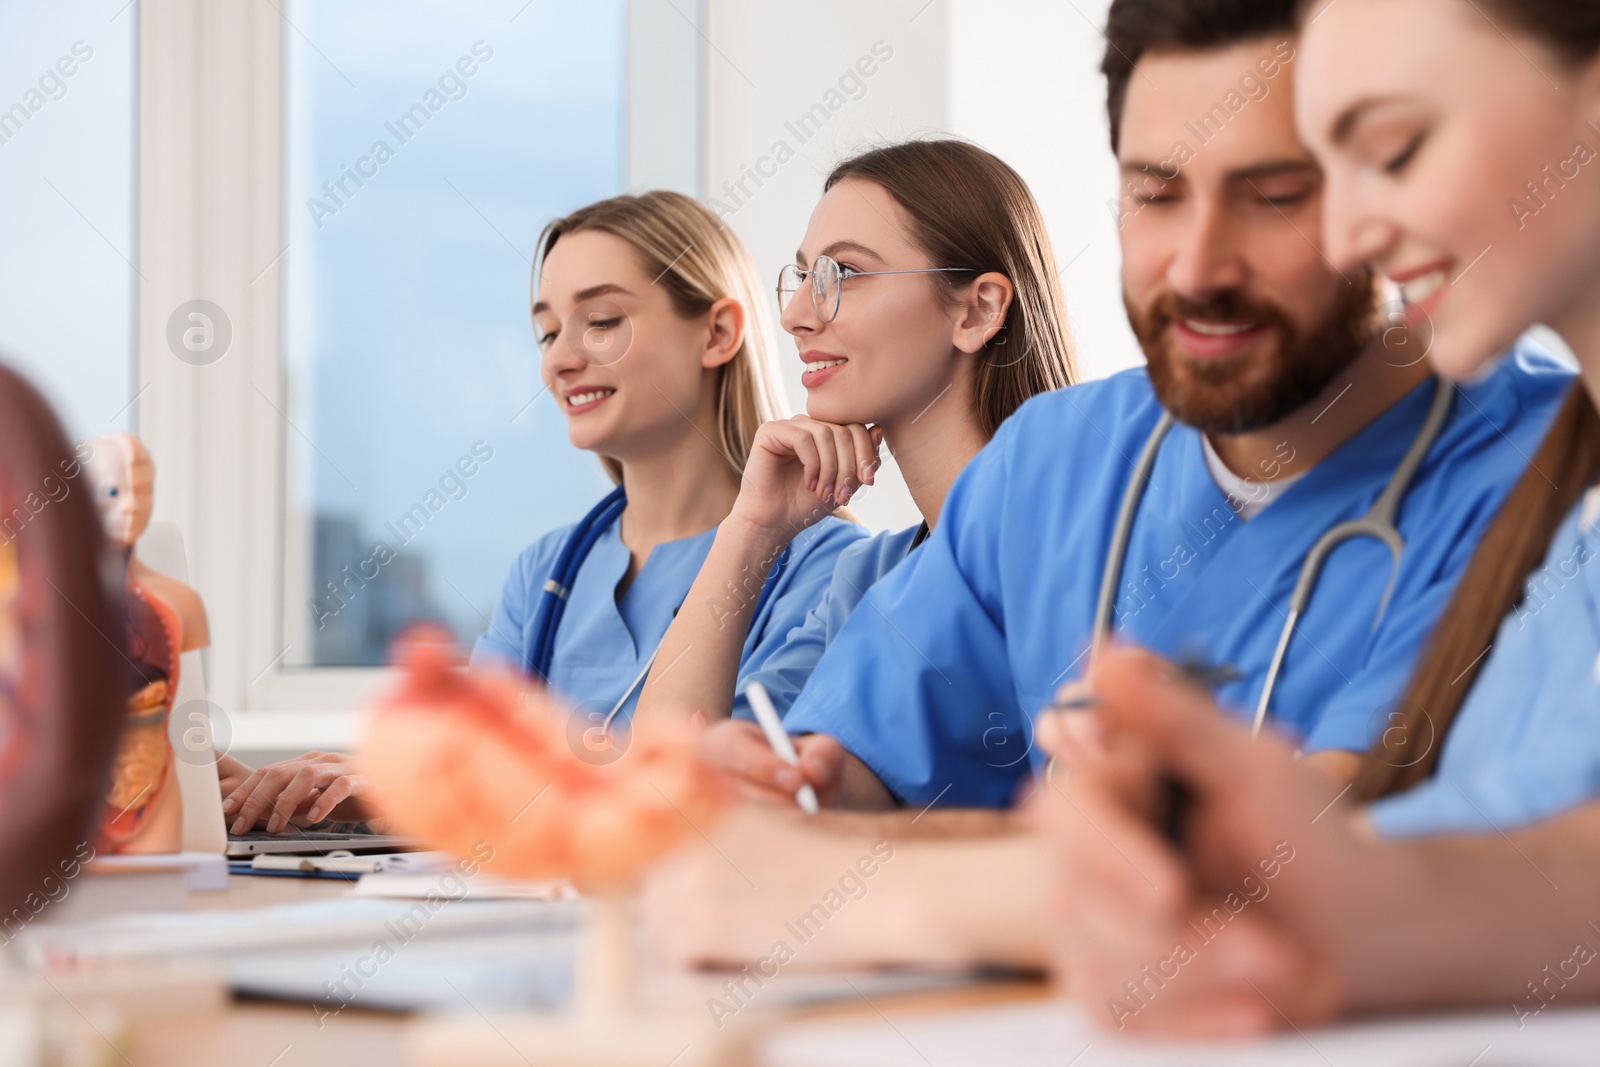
[355, 186]
[425, 146]
[67, 278]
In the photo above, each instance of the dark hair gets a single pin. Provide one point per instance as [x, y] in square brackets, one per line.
[1134, 27]
[1495, 582]
[969, 209]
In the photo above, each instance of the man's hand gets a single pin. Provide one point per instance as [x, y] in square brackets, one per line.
[302, 791]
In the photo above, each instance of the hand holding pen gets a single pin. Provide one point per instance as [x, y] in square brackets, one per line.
[1069, 733]
[1262, 840]
[772, 726]
[1078, 696]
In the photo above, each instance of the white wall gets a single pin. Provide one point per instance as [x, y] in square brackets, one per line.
[1025, 83]
[768, 64]
[1019, 77]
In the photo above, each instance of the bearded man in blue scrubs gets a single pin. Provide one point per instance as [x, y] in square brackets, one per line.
[1295, 402]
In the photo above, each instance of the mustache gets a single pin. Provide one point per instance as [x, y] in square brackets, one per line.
[1226, 305]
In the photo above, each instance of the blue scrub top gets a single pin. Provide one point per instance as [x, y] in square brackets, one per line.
[602, 643]
[785, 672]
[1526, 743]
[935, 687]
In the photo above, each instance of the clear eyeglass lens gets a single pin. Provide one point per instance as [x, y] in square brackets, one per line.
[789, 282]
[825, 287]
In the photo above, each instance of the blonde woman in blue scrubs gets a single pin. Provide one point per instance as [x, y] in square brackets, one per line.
[656, 344]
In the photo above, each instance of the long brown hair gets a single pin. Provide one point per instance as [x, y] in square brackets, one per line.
[969, 209]
[1567, 463]
[698, 260]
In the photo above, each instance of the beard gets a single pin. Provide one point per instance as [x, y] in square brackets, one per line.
[1247, 392]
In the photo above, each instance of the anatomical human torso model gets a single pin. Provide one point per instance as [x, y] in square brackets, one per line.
[164, 619]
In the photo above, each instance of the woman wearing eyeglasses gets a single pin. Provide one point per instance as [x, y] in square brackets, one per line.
[925, 308]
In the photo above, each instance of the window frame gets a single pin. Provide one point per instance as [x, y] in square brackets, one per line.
[209, 218]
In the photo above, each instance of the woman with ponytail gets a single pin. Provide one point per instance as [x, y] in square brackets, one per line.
[1432, 164]
[1461, 145]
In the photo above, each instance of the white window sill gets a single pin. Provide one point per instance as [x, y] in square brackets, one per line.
[333, 730]
[301, 710]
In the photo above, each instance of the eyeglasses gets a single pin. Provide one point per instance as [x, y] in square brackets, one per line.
[827, 283]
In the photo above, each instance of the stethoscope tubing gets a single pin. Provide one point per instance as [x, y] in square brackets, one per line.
[553, 598]
[564, 573]
[1379, 523]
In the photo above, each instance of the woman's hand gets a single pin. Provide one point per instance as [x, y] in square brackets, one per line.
[800, 470]
[302, 791]
[740, 751]
[1266, 913]
[231, 773]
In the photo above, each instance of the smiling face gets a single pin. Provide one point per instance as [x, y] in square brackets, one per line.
[1240, 315]
[889, 354]
[627, 370]
[1461, 162]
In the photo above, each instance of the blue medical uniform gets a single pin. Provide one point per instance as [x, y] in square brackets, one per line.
[1526, 743]
[785, 671]
[935, 684]
[603, 642]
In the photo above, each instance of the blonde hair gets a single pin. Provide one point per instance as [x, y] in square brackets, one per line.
[699, 261]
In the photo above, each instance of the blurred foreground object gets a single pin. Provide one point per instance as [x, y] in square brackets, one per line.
[467, 760]
[62, 677]
[484, 764]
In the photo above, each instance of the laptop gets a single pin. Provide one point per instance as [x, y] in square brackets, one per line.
[328, 837]
[189, 729]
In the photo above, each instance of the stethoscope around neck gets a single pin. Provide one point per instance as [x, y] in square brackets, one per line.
[1378, 523]
[553, 597]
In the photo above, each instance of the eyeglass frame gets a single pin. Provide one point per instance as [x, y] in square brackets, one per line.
[845, 273]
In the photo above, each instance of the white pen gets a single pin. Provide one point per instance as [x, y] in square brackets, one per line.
[772, 726]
